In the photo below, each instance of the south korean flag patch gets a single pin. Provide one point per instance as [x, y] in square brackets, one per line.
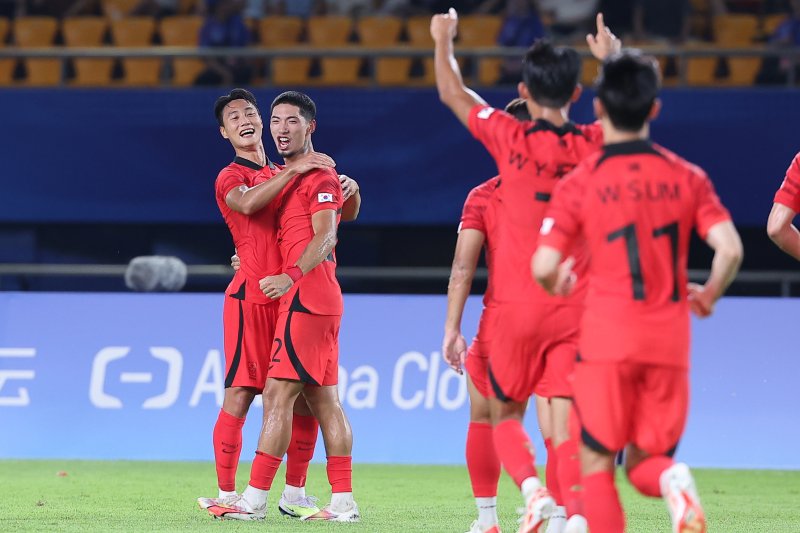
[325, 197]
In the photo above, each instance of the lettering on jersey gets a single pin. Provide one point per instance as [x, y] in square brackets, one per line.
[516, 159]
[639, 190]
[485, 113]
[324, 197]
[559, 172]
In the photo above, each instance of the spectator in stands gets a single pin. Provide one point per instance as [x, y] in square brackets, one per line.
[775, 69]
[568, 19]
[350, 8]
[224, 27]
[521, 26]
[656, 19]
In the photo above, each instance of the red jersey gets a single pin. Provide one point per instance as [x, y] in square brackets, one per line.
[254, 236]
[532, 157]
[635, 203]
[789, 193]
[314, 191]
[475, 215]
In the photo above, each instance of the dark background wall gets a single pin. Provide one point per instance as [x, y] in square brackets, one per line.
[104, 175]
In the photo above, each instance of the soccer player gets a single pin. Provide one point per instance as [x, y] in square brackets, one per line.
[635, 203]
[243, 191]
[536, 335]
[305, 353]
[475, 232]
[787, 203]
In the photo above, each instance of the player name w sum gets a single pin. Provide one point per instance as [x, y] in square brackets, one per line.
[640, 190]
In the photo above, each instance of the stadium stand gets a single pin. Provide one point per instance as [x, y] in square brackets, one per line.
[482, 31]
[328, 32]
[137, 32]
[30, 32]
[183, 30]
[87, 32]
[384, 32]
[276, 32]
[6, 65]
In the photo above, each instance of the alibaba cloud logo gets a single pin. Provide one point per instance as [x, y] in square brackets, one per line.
[104, 357]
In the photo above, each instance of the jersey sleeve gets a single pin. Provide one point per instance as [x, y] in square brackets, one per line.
[495, 129]
[227, 180]
[709, 209]
[789, 193]
[562, 222]
[324, 192]
[472, 216]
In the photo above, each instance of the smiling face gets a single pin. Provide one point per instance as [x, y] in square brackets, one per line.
[241, 124]
[290, 130]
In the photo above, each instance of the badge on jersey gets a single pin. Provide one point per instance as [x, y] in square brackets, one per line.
[324, 197]
[485, 113]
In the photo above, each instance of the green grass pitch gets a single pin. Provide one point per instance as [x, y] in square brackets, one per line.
[160, 496]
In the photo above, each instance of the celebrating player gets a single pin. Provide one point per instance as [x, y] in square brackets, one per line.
[476, 231]
[536, 334]
[244, 190]
[787, 204]
[305, 355]
[635, 203]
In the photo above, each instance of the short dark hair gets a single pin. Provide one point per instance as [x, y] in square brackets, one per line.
[551, 73]
[224, 100]
[628, 86]
[518, 109]
[308, 109]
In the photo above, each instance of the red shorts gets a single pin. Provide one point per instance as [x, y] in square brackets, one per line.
[629, 402]
[248, 330]
[477, 362]
[559, 360]
[306, 348]
[526, 335]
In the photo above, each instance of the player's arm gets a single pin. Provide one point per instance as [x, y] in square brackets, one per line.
[604, 42]
[723, 238]
[249, 200]
[452, 91]
[351, 193]
[321, 245]
[781, 230]
[551, 272]
[465, 261]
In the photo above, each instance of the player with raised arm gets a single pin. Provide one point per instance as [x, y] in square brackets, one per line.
[475, 232]
[305, 352]
[635, 204]
[244, 191]
[537, 334]
[785, 207]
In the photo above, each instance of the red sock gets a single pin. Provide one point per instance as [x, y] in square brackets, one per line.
[551, 471]
[263, 472]
[340, 473]
[227, 447]
[515, 450]
[569, 476]
[482, 462]
[601, 504]
[301, 449]
[646, 475]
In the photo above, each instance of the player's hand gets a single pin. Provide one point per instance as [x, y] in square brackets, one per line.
[604, 43]
[454, 349]
[235, 263]
[310, 161]
[276, 286]
[444, 26]
[701, 300]
[566, 278]
[349, 186]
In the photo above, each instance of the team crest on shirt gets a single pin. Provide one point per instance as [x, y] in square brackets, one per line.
[324, 197]
[485, 113]
[547, 225]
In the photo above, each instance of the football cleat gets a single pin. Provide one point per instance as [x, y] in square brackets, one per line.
[558, 521]
[476, 528]
[576, 524]
[680, 495]
[305, 506]
[539, 509]
[233, 507]
[327, 514]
